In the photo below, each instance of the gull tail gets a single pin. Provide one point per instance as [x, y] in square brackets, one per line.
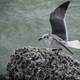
[73, 44]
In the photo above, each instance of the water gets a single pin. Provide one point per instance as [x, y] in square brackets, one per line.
[22, 22]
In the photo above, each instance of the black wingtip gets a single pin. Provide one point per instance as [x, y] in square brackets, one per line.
[64, 5]
[60, 10]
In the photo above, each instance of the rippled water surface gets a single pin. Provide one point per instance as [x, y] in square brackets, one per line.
[22, 22]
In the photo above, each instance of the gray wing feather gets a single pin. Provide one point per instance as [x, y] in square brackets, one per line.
[57, 20]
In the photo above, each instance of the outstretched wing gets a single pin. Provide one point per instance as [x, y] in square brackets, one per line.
[57, 20]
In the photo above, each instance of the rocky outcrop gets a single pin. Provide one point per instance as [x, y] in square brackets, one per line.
[42, 64]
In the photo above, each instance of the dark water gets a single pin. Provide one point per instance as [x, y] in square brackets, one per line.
[22, 22]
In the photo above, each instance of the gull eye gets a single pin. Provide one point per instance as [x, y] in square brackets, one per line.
[47, 37]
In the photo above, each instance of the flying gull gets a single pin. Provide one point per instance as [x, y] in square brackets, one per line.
[58, 37]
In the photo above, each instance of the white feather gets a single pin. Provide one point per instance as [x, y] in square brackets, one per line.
[73, 44]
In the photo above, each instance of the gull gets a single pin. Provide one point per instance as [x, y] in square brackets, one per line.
[58, 37]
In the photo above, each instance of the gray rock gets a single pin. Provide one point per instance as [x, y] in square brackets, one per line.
[42, 64]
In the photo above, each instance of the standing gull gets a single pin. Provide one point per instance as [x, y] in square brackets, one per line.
[58, 37]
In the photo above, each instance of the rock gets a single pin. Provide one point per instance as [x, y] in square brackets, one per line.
[42, 64]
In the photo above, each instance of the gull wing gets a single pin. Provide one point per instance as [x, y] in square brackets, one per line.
[57, 20]
[61, 42]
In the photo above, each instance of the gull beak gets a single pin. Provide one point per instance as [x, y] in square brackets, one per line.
[40, 39]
